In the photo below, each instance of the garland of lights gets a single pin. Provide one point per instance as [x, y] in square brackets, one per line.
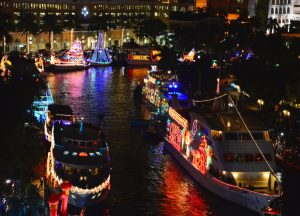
[51, 172]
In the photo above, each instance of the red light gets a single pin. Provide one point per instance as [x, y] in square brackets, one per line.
[83, 154]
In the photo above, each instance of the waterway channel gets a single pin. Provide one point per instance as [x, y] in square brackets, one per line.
[145, 180]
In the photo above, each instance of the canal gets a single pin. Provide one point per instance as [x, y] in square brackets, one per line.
[145, 180]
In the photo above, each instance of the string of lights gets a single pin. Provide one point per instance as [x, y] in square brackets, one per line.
[207, 100]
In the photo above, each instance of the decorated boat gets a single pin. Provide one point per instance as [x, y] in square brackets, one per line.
[162, 89]
[41, 103]
[73, 59]
[100, 56]
[79, 155]
[57, 113]
[230, 158]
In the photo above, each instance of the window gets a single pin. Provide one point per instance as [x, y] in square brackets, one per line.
[69, 142]
[75, 143]
[228, 157]
[82, 144]
[276, 10]
[280, 10]
[258, 136]
[248, 157]
[288, 10]
[231, 136]
[272, 10]
[89, 144]
[259, 157]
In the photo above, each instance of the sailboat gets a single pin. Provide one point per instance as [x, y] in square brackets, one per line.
[71, 60]
[101, 56]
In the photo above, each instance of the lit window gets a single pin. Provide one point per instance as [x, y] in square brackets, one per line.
[74, 153]
[66, 152]
[92, 154]
[98, 153]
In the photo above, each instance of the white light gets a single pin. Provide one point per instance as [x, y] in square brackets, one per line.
[8, 181]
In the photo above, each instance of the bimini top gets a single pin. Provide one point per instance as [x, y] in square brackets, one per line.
[230, 122]
[58, 109]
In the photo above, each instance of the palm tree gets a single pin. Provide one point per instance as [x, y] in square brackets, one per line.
[151, 28]
[51, 24]
[272, 25]
[7, 26]
[102, 23]
[27, 25]
[72, 22]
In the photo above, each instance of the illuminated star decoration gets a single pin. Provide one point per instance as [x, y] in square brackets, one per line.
[85, 11]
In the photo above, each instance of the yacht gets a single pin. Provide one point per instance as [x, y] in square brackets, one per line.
[232, 160]
[57, 113]
[79, 155]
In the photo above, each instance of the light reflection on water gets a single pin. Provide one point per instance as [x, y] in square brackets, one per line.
[145, 180]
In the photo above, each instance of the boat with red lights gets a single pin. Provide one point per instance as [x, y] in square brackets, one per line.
[57, 113]
[73, 59]
[217, 149]
[79, 155]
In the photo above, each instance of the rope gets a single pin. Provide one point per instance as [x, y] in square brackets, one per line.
[254, 139]
[207, 100]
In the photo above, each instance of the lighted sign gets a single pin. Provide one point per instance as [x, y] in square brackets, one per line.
[202, 156]
[178, 118]
[175, 136]
[195, 127]
[138, 57]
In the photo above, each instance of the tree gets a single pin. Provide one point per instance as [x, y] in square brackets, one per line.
[72, 22]
[7, 26]
[261, 15]
[27, 24]
[51, 23]
[151, 28]
[272, 25]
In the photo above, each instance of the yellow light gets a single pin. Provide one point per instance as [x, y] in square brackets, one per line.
[260, 102]
[286, 113]
[235, 174]
[228, 124]
[266, 175]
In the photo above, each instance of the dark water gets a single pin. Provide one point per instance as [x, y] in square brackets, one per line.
[145, 179]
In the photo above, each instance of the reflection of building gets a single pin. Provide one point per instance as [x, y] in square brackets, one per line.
[284, 11]
[115, 8]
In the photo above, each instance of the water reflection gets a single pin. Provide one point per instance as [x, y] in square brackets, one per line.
[145, 180]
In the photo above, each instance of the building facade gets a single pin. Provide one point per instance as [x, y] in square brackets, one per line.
[284, 11]
[85, 9]
[228, 6]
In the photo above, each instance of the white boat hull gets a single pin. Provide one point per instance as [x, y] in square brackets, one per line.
[243, 197]
[69, 67]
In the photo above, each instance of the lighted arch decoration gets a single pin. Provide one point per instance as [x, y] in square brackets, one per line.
[195, 127]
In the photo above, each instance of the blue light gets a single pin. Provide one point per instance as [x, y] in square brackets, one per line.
[170, 86]
[175, 86]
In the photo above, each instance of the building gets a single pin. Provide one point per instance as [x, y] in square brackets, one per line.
[85, 9]
[284, 11]
[228, 7]
[201, 4]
